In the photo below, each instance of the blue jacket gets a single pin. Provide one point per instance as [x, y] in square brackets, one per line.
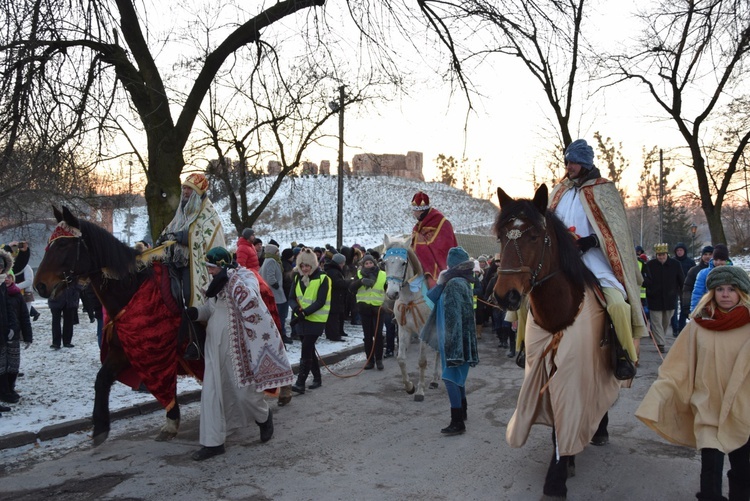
[700, 284]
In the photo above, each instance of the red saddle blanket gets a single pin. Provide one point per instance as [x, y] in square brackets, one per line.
[147, 331]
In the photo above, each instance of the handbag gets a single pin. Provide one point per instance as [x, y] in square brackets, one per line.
[521, 356]
[622, 365]
[28, 296]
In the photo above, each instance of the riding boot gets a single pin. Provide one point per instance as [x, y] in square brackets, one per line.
[502, 336]
[464, 409]
[512, 344]
[601, 437]
[712, 472]
[554, 483]
[304, 370]
[317, 380]
[739, 487]
[457, 422]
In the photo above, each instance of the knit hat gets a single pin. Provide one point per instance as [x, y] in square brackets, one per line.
[286, 254]
[272, 250]
[307, 256]
[729, 275]
[339, 259]
[197, 182]
[579, 152]
[477, 268]
[639, 250]
[219, 256]
[661, 248]
[707, 250]
[482, 258]
[420, 201]
[456, 256]
[274, 242]
[721, 252]
[368, 257]
[248, 233]
[682, 246]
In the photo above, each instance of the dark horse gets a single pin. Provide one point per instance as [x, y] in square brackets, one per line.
[140, 341]
[568, 380]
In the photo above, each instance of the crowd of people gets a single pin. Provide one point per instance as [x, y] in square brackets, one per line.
[297, 294]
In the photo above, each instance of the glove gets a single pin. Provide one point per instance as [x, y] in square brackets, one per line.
[26, 345]
[11, 334]
[181, 237]
[586, 243]
[92, 319]
[300, 313]
[192, 313]
[368, 282]
[294, 321]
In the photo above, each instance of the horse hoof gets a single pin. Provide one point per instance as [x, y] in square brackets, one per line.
[419, 398]
[283, 400]
[547, 497]
[411, 390]
[165, 436]
[434, 386]
[100, 438]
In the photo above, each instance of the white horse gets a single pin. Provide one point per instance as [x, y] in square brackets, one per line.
[405, 284]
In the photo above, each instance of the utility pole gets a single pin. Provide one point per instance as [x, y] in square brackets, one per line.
[339, 107]
[130, 198]
[661, 196]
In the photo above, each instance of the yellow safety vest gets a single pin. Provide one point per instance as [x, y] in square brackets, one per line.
[374, 295]
[311, 294]
[643, 289]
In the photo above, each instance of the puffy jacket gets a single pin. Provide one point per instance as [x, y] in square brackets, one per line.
[700, 284]
[246, 255]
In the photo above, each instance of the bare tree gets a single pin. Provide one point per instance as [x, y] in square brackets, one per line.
[611, 156]
[691, 58]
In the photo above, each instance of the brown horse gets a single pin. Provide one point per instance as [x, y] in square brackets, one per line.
[140, 341]
[568, 380]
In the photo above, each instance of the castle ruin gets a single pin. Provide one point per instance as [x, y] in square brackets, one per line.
[367, 164]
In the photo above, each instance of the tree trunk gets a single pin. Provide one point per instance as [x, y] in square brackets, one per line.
[163, 190]
[713, 217]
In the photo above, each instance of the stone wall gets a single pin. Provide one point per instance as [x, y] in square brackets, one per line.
[366, 164]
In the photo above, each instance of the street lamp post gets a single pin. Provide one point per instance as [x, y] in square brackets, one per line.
[339, 107]
[693, 229]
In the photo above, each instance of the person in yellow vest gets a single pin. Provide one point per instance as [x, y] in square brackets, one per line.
[369, 288]
[310, 303]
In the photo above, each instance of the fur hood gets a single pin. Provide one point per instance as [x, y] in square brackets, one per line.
[6, 261]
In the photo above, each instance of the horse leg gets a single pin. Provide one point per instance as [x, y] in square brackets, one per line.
[403, 343]
[601, 437]
[285, 395]
[172, 425]
[106, 376]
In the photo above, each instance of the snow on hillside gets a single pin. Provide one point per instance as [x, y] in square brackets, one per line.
[304, 210]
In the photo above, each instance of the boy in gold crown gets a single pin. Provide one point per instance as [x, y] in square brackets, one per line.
[663, 284]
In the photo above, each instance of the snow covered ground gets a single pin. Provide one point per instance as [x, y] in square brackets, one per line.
[58, 385]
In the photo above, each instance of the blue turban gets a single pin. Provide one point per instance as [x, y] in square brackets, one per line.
[579, 152]
[456, 256]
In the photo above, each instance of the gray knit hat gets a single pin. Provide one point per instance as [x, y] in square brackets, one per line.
[729, 275]
[339, 259]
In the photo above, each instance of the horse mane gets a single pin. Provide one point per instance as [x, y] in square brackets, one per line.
[571, 264]
[412, 256]
[107, 251]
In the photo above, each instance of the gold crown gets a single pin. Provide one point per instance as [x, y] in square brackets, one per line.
[661, 248]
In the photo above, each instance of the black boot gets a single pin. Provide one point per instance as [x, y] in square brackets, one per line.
[512, 344]
[457, 423]
[712, 472]
[12, 384]
[266, 428]
[207, 452]
[5, 394]
[464, 409]
[739, 488]
[34, 314]
[304, 370]
[317, 379]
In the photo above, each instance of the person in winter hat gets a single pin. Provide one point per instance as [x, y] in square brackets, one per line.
[247, 256]
[369, 289]
[700, 397]
[663, 284]
[334, 268]
[310, 303]
[605, 242]
[10, 329]
[451, 331]
[272, 274]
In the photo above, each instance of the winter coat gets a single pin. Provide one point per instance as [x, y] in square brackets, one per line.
[91, 303]
[340, 287]
[18, 305]
[686, 263]
[700, 284]
[68, 298]
[663, 284]
[271, 273]
[8, 319]
[247, 255]
[687, 288]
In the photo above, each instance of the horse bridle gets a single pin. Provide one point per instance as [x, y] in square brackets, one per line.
[72, 276]
[513, 235]
[401, 254]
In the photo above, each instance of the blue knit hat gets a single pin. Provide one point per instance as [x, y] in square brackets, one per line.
[579, 152]
[456, 256]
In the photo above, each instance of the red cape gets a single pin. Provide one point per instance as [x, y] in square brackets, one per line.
[431, 239]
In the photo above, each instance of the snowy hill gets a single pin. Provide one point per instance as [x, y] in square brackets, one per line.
[304, 210]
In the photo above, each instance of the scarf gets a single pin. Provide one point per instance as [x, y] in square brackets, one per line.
[463, 270]
[13, 289]
[725, 320]
[592, 173]
[258, 353]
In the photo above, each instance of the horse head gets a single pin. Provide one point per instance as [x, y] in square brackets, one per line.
[521, 230]
[401, 265]
[76, 251]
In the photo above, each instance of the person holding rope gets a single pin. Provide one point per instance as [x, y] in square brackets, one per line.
[369, 287]
[310, 303]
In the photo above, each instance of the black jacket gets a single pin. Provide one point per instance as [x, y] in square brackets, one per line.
[340, 287]
[663, 284]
